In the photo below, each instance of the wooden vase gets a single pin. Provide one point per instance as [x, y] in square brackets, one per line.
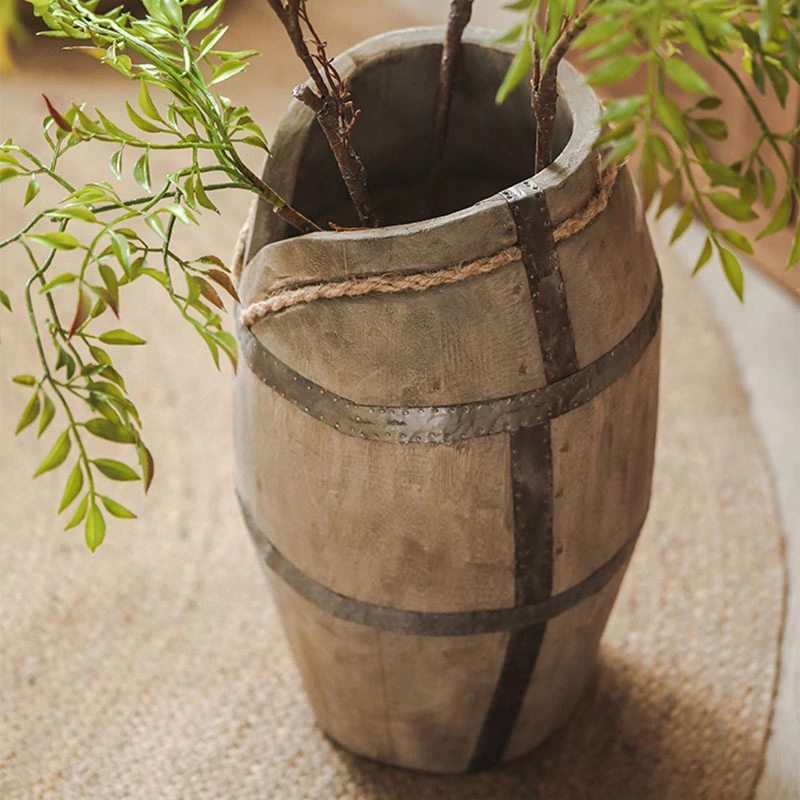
[446, 486]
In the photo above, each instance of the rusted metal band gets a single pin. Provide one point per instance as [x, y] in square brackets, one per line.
[432, 623]
[528, 207]
[531, 468]
[455, 422]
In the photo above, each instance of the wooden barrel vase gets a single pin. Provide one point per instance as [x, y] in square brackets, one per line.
[446, 485]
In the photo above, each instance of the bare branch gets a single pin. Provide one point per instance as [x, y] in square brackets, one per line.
[460, 14]
[544, 96]
[331, 102]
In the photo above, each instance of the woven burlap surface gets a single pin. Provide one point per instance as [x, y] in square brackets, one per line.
[157, 667]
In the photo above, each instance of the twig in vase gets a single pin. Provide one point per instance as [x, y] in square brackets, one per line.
[460, 14]
[544, 94]
[331, 103]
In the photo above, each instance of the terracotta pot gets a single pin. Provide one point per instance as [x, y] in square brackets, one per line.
[446, 485]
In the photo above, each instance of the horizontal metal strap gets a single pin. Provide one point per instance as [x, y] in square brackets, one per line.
[402, 425]
[433, 623]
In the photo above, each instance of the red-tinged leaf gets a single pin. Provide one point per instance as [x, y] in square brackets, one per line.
[81, 312]
[58, 118]
[224, 280]
[210, 293]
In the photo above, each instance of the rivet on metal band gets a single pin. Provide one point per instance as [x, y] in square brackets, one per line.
[414, 424]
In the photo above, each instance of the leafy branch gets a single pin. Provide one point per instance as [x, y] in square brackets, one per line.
[625, 38]
[94, 242]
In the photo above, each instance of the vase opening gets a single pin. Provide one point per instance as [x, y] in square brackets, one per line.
[489, 147]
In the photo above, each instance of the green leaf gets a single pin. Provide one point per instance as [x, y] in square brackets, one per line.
[204, 17]
[58, 240]
[48, 412]
[671, 193]
[29, 413]
[620, 151]
[732, 206]
[518, 70]
[794, 255]
[24, 380]
[767, 185]
[4, 300]
[777, 77]
[715, 128]
[705, 254]
[599, 31]
[141, 170]
[106, 429]
[60, 280]
[32, 190]
[227, 69]
[709, 103]
[73, 487]
[117, 509]
[57, 454]
[622, 110]
[140, 122]
[7, 173]
[120, 336]
[738, 240]
[115, 162]
[146, 102]
[147, 464]
[684, 220]
[202, 197]
[780, 219]
[174, 14]
[95, 530]
[80, 513]
[681, 73]
[121, 249]
[115, 470]
[75, 212]
[614, 70]
[510, 35]
[733, 271]
[672, 118]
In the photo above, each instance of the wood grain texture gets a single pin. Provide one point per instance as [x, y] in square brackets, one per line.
[603, 463]
[439, 527]
[422, 527]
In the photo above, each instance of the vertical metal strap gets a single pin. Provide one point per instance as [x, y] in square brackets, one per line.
[531, 473]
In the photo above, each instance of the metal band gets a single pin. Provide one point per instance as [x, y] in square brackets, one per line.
[528, 206]
[531, 470]
[455, 422]
[432, 623]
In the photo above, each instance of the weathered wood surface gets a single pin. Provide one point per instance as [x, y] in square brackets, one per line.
[501, 521]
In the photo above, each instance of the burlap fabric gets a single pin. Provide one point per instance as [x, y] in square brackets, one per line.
[157, 667]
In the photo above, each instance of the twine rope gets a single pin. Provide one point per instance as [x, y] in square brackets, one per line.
[392, 283]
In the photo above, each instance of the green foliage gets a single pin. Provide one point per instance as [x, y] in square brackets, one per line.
[673, 143]
[95, 242]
